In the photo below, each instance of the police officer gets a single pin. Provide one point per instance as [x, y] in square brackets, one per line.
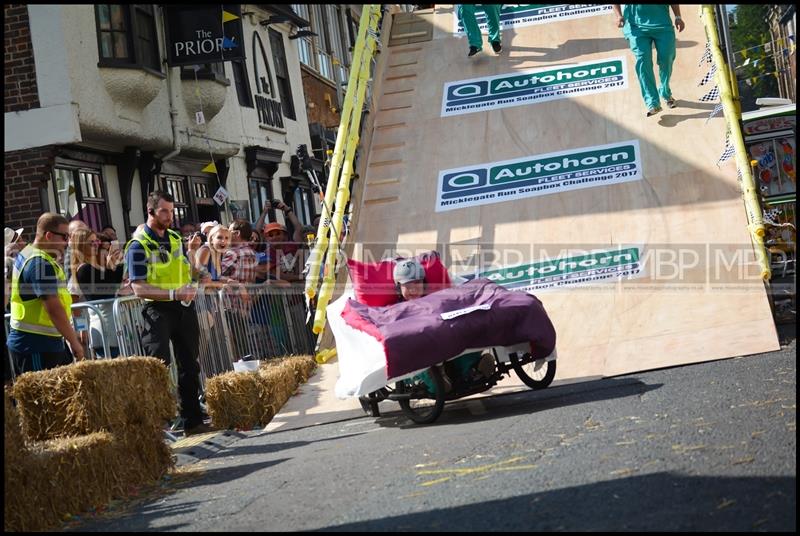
[161, 274]
[41, 317]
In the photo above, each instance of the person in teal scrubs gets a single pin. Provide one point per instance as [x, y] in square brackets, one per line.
[466, 13]
[645, 25]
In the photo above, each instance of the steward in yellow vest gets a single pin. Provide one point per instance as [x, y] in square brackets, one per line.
[41, 316]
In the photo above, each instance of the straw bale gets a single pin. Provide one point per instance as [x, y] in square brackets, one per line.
[14, 442]
[92, 396]
[233, 400]
[71, 475]
[245, 400]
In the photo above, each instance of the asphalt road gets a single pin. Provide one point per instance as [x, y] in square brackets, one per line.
[708, 447]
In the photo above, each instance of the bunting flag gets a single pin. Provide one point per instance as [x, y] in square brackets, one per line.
[707, 78]
[727, 153]
[227, 17]
[211, 168]
[706, 55]
[711, 96]
[717, 109]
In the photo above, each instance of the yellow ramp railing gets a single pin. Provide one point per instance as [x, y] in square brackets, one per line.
[337, 190]
[755, 218]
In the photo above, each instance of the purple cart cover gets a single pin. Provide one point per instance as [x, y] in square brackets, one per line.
[483, 314]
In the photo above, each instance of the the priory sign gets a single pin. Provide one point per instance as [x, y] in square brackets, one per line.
[198, 34]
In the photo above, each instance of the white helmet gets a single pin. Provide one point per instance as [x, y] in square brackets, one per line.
[408, 270]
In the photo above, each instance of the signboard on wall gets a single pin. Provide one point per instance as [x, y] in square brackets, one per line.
[198, 34]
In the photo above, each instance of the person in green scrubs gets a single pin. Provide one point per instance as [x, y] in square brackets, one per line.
[466, 13]
[645, 25]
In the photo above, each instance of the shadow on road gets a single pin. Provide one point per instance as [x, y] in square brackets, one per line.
[527, 402]
[660, 501]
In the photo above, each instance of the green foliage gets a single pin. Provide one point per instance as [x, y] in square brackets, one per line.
[752, 29]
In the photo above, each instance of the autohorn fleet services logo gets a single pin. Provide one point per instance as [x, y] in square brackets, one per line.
[532, 86]
[521, 15]
[593, 267]
[532, 176]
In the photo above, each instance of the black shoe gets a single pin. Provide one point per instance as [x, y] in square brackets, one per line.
[496, 46]
[672, 103]
[473, 51]
[198, 429]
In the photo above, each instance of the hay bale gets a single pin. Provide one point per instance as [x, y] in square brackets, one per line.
[233, 400]
[128, 399]
[92, 396]
[72, 475]
[245, 400]
[14, 446]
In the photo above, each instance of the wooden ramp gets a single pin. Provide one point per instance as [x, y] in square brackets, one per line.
[537, 168]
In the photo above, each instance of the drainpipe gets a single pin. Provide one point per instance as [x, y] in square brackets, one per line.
[173, 112]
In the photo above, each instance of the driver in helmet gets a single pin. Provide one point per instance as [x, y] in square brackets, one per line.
[409, 279]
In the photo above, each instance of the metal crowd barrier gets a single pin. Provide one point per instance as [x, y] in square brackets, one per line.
[254, 321]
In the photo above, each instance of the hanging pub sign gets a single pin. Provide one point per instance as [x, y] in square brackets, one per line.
[198, 34]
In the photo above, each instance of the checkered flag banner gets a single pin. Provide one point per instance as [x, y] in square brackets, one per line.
[717, 109]
[706, 55]
[707, 78]
[727, 153]
[711, 96]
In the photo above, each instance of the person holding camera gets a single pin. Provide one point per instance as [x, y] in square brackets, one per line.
[161, 274]
[283, 253]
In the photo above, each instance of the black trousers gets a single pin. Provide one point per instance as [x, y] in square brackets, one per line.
[38, 361]
[171, 321]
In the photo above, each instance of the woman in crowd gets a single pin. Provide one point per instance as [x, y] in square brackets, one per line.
[97, 269]
[208, 260]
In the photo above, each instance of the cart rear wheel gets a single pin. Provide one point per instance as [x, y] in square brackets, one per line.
[536, 378]
[424, 407]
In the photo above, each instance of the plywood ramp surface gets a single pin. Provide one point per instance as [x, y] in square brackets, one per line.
[675, 203]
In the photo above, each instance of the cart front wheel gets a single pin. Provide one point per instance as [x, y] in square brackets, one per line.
[536, 377]
[424, 406]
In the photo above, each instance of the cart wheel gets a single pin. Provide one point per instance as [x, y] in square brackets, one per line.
[536, 379]
[425, 407]
[370, 406]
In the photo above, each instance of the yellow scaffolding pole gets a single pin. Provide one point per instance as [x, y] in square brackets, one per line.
[359, 58]
[749, 189]
[372, 13]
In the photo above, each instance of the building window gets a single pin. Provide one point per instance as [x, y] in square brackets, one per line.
[176, 187]
[80, 195]
[260, 193]
[126, 36]
[282, 73]
[329, 53]
[303, 204]
[193, 196]
[206, 71]
[242, 83]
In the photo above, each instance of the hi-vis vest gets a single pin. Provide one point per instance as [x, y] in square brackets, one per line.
[30, 316]
[172, 274]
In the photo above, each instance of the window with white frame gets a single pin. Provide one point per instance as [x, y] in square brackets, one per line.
[329, 50]
[80, 194]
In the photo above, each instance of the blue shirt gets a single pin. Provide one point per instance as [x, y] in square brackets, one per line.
[37, 280]
[136, 258]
